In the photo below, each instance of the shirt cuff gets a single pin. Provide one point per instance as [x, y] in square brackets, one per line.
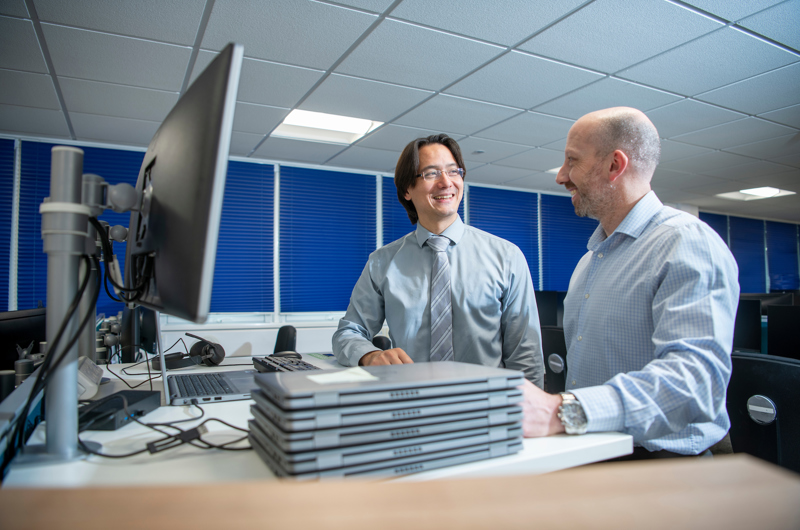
[603, 408]
[358, 349]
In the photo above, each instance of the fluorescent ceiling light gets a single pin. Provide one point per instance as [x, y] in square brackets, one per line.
[321, 127]
[555, 170]
[755, 194]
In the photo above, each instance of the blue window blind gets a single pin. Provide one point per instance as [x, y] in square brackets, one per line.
[564, 239]
[395, 219]
[782, 256]
[327, 231]
[114, 165]
[512, 215]
[747, 246]
[243, 279]
[719, 223]
[6, 205]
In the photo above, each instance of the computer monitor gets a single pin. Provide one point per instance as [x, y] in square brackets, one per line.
[547, 304]
[747, 327]
[172, 238]
[783, 323]
[769, 299]
[20, 328]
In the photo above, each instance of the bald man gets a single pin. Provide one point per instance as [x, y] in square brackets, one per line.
[648, 317]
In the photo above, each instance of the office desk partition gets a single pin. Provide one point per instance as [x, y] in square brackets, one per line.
[191, 465]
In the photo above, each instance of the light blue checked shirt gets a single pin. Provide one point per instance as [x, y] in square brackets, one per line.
[495, 320]
[648, 321]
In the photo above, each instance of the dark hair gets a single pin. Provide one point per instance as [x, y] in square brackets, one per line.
[406, 171]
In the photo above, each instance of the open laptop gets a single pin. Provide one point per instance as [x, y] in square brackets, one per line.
[211, 387]
[382, 384]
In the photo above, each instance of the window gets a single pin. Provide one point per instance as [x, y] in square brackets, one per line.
[327, 231]
[747, 246]
[564, 239]
[719, 223]
[6, 206]
[782, 256]
[395, 218]
[512, 215]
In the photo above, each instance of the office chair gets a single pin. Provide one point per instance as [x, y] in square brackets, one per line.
[762, 405]
[554, 349]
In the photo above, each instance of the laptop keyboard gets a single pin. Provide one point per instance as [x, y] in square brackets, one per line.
[190, 385]
[281, 364]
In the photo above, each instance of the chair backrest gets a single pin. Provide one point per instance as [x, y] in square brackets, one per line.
[763, 405]
[554, 350]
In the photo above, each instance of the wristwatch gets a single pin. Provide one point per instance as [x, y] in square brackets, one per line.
[571, 414]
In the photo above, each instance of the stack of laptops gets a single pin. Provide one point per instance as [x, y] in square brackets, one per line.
[385, 421]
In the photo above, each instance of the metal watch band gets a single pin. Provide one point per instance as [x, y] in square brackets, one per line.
[572, 415]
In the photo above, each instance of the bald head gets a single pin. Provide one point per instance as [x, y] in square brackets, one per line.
[628, 130]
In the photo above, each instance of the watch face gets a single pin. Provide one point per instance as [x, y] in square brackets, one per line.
[573, 417]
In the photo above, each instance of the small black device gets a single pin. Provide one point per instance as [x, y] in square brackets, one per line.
[281, 364]
[286, 343]
[110, 415]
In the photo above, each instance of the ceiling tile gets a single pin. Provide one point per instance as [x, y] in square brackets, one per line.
[123, 60]
[712, 61]
[789, 180]
[558, 145]
[113, 130]
[492, 174]
[20, 47]
[732, 11]
[459, 115]
[92, 97]
[297, 151]
[267, 83]
[653, 25]
[482, 151]
[15, 8]
[540, 182]
[362, 98]
[788, 160]
[521, 80]
[675, 150]
[706, 162]
[376, 6]
[175, 21]
[396, 137]
[300, 33]
[688, 115]
[29, 120]
[780, 23]
[536, 159]
[377, 160]
[676, 197]
[28, 90]
[405, 54]
[665, 179]
[789, 116]
[502, 21]
[752, 172]
[735, 133]
[609, 92]
[529, 128]
[773, 90]
[772, 148]
[713, 187]
[257, 119]
[242, 143]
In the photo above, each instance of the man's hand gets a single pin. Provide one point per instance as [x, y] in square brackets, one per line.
[393, 356]
[539, 412]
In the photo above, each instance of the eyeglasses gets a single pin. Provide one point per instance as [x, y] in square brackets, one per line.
[433, 174]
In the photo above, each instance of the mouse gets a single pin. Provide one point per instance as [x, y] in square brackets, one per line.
[289, 354]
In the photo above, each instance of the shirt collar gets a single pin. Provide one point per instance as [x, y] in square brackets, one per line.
[634, 223]
[454, 232]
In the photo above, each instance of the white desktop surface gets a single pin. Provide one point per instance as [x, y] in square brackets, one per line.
[191, 465]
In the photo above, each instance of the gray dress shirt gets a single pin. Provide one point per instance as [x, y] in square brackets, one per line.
[495, 320]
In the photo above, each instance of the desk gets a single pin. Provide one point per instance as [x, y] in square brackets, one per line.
[728, 492]
[190, 465]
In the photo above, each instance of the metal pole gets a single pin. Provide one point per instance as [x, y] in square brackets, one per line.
[64, 225]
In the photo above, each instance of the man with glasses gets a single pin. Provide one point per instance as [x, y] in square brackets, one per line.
[448, 291]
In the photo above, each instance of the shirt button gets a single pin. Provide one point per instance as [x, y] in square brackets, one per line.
[586, 295]
[574, 382]
[600, 255]
[580, 337]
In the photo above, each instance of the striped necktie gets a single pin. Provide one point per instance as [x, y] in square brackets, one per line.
[441, 306]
